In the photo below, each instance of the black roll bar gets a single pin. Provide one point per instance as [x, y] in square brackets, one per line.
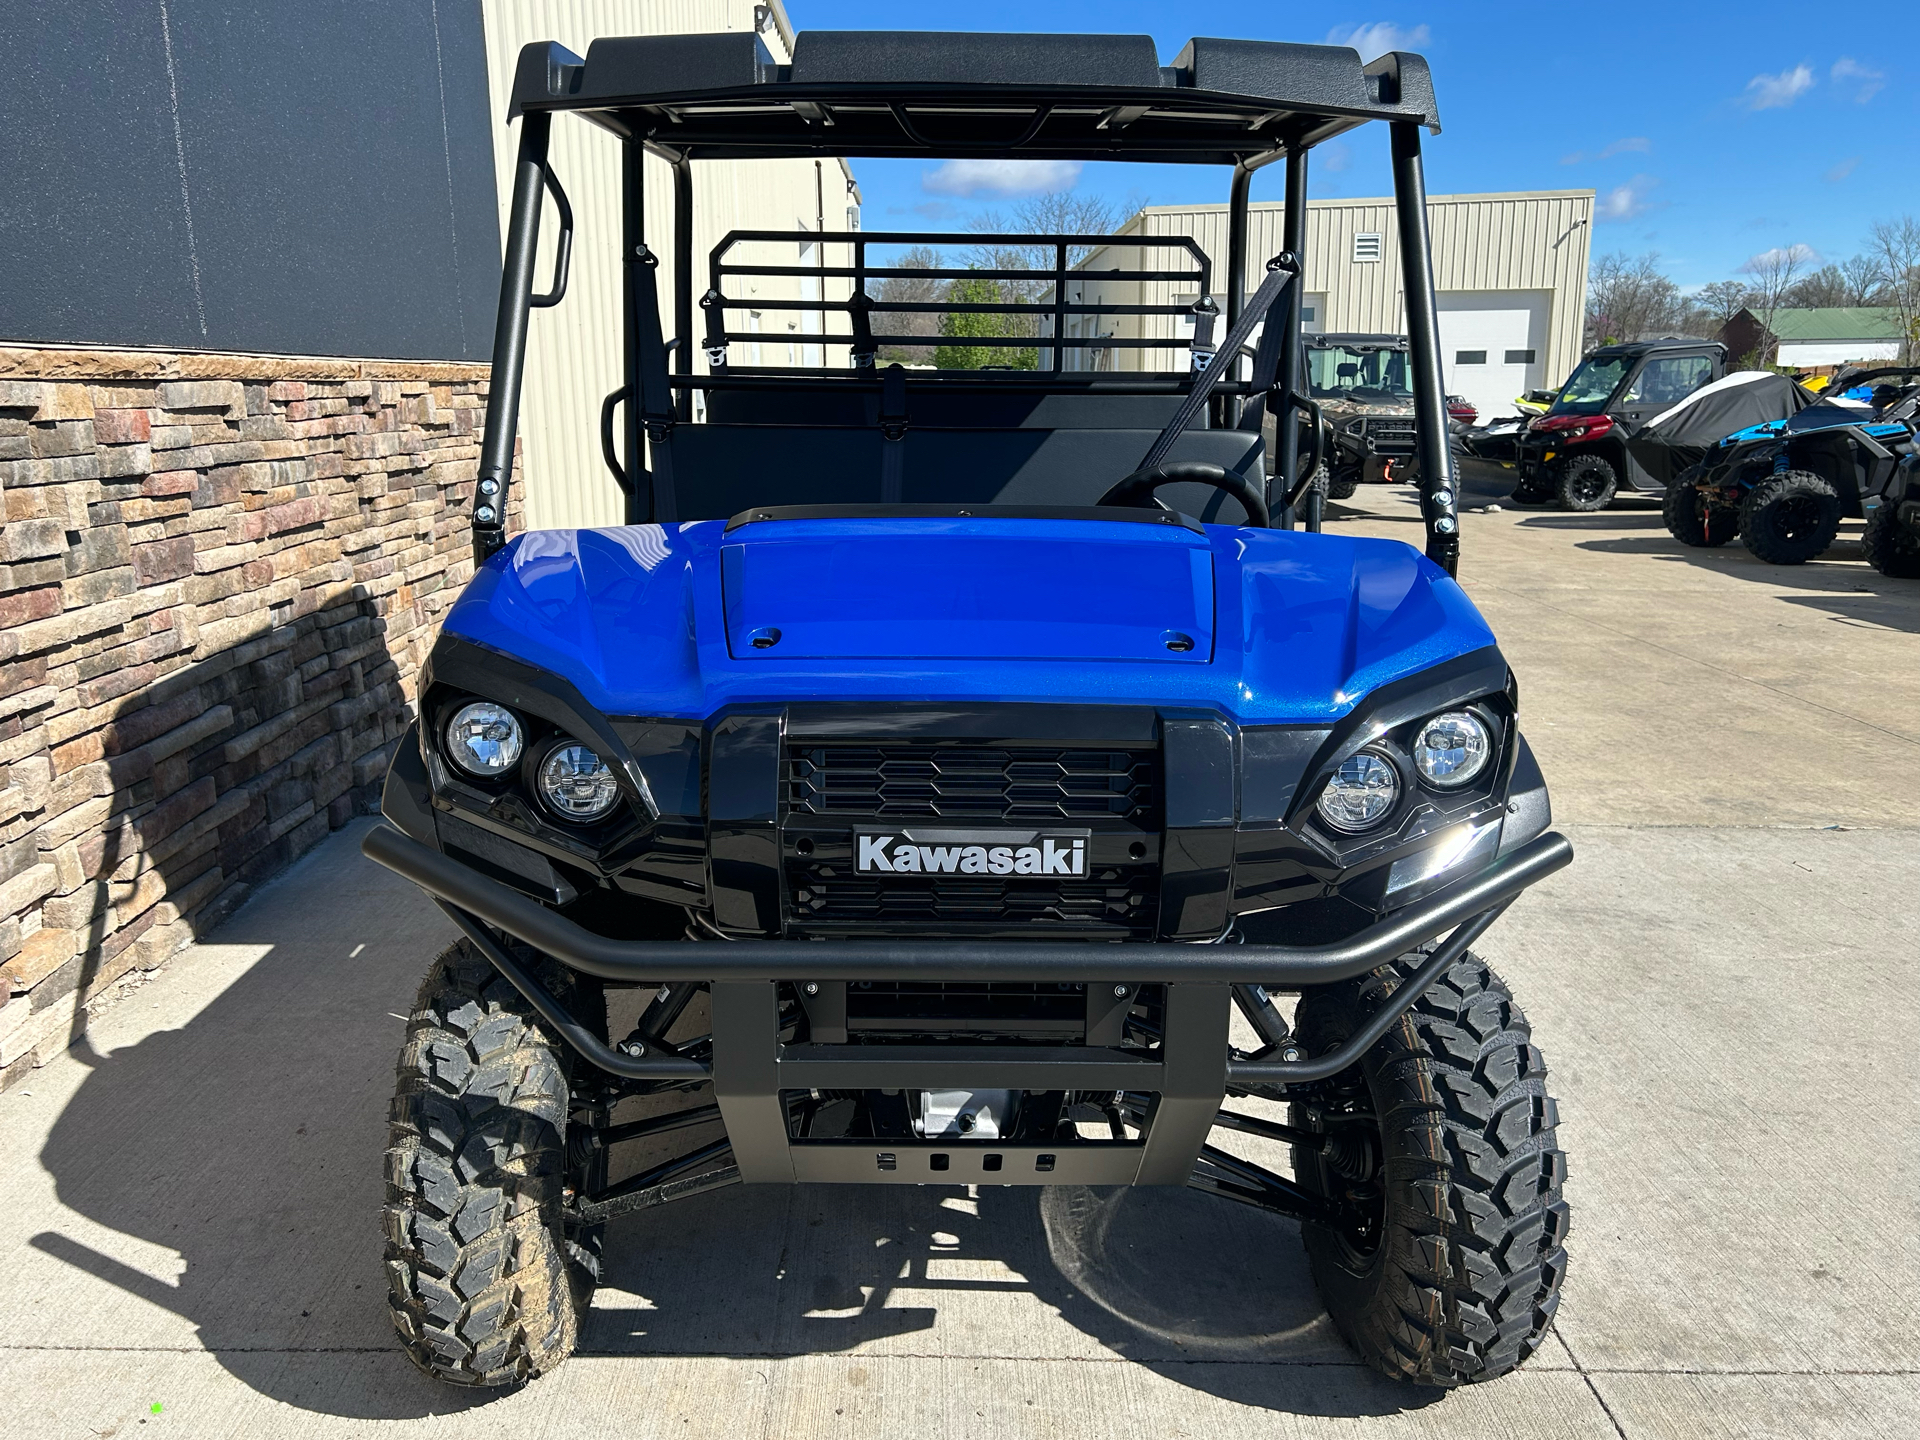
[1437, 487]
[635, 477]
[533, 179]
[510, 339]
[1292, 391]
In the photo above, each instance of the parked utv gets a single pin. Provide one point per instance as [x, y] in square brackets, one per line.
[1366, 397]
[914, 792]
[1785, 485]
[1576, 454]
[1891, 541]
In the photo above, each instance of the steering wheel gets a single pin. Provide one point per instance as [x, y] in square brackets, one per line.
[1136, 491]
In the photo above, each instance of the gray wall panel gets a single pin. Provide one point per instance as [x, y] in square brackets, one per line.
[211, 174]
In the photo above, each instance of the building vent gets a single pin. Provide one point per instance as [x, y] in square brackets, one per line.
[1366, 248]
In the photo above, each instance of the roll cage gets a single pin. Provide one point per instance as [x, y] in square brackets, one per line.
[686, 98]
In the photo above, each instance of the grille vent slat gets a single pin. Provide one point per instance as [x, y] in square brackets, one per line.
[973, 783]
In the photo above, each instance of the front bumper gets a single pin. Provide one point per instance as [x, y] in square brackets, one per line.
[752, 1070]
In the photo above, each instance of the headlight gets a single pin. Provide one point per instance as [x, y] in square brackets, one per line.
[576, 784]
[484, 739]
[1451, 749]
[1361, 792]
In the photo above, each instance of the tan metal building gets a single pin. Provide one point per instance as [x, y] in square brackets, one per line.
[1510, 271]
[573, 349]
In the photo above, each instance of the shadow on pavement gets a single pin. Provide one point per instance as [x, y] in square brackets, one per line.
[250, 1141]
[1840, 582]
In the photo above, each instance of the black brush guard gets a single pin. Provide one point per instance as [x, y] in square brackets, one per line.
[750, 1067]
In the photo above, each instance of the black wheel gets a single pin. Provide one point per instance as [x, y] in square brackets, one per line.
[1890, 547]
[1444, 1135]
[1691, 520]
[1586, 482]
[1343, 482]
[1791, 518]
[480, 1283]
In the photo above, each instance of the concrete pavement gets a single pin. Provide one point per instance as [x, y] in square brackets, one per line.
[188, 1211]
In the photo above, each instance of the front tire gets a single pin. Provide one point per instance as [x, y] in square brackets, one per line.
[1343, 484]
[1692, 521]
[1445, 1134]
[480, 1284]
[1890, 547]
[1791, 518]
[1586, 482]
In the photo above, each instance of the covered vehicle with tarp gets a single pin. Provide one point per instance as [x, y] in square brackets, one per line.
[1681, 436]
[1785, 483]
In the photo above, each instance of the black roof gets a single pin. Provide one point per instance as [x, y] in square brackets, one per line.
[1079, 97]
[1354, 338]
[1641, 347]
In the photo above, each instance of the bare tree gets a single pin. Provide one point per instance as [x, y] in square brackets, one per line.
[1895, 244]
[1722, 300]
[1825, 288]
[1866, 279]
[1774, 272]
[1629, 298]
[1059, 213]
[910, 290]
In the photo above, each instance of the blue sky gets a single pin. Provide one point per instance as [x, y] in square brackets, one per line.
[1711, 131]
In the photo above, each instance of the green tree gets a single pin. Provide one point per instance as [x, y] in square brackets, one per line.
[957, 327]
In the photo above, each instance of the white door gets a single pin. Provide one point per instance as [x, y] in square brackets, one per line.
[1493, 345]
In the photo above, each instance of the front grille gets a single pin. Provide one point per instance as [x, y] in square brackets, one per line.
[1391, 432]
[1118, 902]
[943, 780]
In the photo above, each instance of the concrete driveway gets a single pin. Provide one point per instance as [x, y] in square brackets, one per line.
[1722, 984]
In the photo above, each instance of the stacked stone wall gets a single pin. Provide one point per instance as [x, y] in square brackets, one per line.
[218, 578]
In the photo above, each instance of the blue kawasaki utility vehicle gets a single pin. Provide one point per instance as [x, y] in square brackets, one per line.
[1784, 485]
[968, 777]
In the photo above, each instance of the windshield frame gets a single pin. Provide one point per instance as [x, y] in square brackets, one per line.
[1388, 357]
[1563, 406]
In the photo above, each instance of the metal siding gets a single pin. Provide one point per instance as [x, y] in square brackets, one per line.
[574, 349]
[1526, 240]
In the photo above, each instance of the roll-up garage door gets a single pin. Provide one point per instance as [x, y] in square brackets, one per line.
[1493, 345]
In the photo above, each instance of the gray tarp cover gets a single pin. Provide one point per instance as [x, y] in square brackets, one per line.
[1679, 437]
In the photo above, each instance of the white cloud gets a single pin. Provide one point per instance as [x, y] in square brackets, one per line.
[1798, 255]
[1634, 144]
[1000, 177]
[1626, 202]
[1333, 157]
[1869, 82]
[1774, 92]
[1842, 170]
[1375, 40]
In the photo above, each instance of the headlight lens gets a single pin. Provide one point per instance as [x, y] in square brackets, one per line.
[1451, 749]
[484, 739]
[576, 784]
[1361, 792]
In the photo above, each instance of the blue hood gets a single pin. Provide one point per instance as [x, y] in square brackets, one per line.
[1270, 626]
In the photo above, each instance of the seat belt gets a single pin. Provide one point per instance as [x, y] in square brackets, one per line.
[1266, 369]
[859, 308]
[893, 434]
[656, 395]
[1282, 270]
